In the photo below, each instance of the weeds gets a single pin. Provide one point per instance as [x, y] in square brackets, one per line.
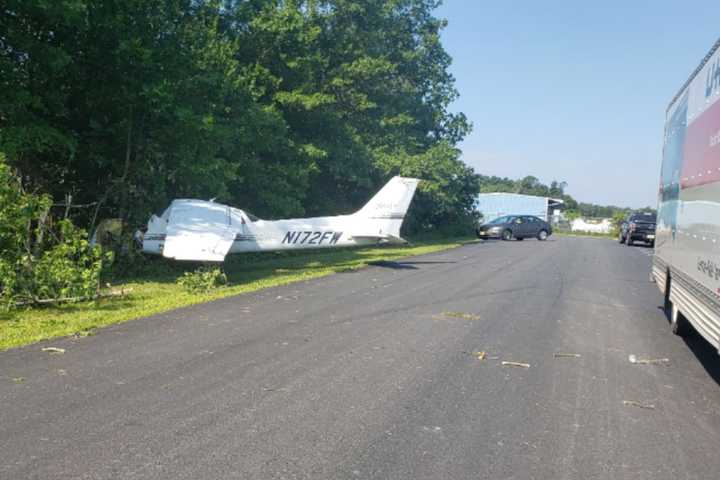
[202, 280]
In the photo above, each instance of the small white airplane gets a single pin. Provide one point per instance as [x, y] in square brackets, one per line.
[206, 231]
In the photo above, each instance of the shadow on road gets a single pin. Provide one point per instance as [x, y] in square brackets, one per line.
[706, 354]
[403, 265]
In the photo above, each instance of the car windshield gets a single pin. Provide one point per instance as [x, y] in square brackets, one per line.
[643, 217]
[499, 220]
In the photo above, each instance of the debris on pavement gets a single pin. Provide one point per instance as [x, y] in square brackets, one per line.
[648, 361]
[54, 350]
[635, 403]
[84, 333]
[515, 364]
[479, 354]
[566, 355]
[18, 379]
[462, 315]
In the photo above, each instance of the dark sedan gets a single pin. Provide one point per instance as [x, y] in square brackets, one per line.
[518, 227]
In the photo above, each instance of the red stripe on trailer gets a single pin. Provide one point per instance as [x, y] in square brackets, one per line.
[701, 162]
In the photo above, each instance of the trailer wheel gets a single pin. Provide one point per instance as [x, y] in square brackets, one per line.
[667, 304]
[678, 323]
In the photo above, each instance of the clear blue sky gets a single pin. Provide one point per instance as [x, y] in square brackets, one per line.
[574, 90]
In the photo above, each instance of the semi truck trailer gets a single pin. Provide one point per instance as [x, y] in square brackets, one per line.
[686, 258]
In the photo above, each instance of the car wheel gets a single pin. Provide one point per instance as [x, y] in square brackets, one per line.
[628, 241]
[520, 239]
[678, 323]
[542, 235]
[507, 235]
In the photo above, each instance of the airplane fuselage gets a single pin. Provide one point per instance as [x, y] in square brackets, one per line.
[289, 234]
[201, 230]
[292, 234]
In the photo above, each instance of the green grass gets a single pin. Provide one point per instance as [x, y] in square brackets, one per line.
[157, 291]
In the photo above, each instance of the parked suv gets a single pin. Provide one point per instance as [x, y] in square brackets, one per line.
[638, 227]
[518, 227]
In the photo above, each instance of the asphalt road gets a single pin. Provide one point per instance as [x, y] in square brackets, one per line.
[363, 375]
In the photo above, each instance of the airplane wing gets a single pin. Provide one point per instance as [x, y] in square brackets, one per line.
[199, 232]
[207, 246]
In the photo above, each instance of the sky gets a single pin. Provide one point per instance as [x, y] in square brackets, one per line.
[574, 91]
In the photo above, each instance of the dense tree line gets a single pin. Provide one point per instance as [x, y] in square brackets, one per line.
[283, 107]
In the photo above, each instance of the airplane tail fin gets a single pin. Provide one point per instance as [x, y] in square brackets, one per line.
[383, 215]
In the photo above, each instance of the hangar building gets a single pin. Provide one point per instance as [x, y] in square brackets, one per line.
[494, 205]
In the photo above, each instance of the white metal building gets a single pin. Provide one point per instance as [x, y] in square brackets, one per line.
[494, 205]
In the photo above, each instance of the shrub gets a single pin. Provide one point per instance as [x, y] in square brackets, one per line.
[41, 259]
[202, 280]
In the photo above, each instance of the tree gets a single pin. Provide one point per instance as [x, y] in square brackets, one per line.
[281, 107]
[41, 259]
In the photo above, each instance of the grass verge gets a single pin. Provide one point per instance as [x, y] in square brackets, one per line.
[158, 292]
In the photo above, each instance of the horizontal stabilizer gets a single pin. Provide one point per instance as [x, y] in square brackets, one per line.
[382, 239]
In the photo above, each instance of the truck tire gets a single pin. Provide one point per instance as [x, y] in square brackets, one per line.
[542, 235]
[679, 325]
[628, 241]
[506, 235]
[621, 239]
[667, 304]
